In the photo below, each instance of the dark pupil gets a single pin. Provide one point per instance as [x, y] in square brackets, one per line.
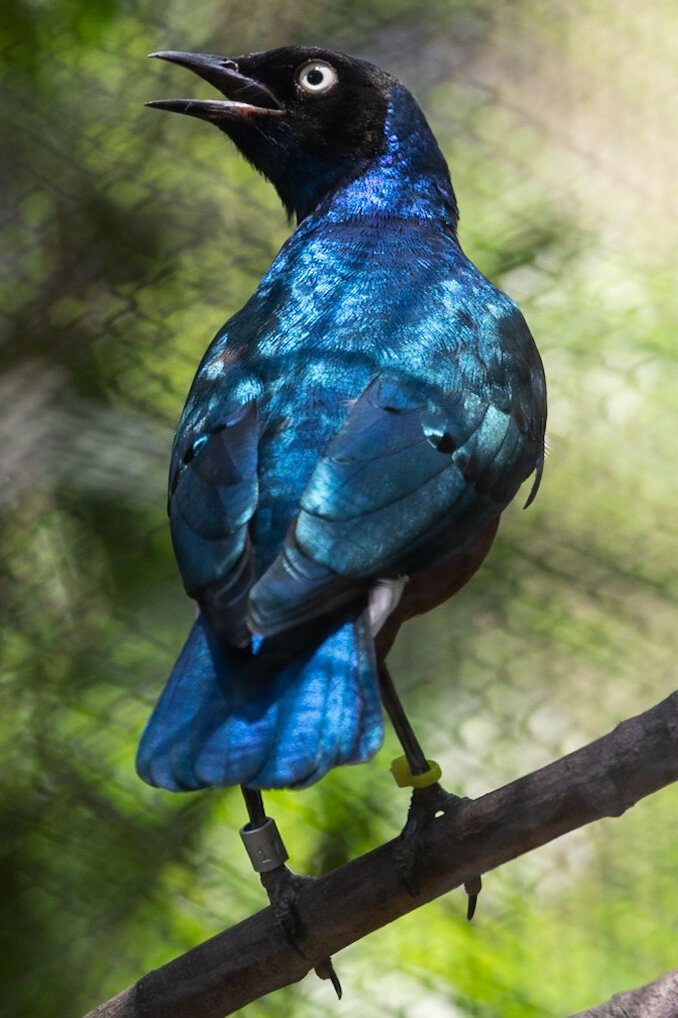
[315, 76]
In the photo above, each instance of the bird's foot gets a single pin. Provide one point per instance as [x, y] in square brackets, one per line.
[268, 856]
[426, 805]
[282, 887]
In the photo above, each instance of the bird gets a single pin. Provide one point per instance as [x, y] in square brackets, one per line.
[349, 442]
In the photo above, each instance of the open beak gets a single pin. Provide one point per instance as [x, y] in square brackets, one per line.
[244, 97]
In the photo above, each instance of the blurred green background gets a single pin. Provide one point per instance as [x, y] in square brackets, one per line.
[128, 238]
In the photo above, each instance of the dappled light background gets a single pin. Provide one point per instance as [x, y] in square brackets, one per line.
[128, 238]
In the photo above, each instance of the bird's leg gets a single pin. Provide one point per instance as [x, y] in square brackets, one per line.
[268, 856]
[429, 798]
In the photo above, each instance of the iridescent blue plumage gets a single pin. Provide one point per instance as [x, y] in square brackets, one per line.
[368, 414]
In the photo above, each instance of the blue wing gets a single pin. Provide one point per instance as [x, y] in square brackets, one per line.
[213, 495]
[280, 717]
[413, 473]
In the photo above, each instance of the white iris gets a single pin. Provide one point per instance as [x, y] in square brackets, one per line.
[317, 76]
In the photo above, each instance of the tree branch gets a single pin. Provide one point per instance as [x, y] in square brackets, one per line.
[656, 1000]
[253, 958]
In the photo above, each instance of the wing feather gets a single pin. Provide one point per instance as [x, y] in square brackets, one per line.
[213, 495]
[412, 472]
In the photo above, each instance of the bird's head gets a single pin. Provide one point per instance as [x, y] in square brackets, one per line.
[309, 119]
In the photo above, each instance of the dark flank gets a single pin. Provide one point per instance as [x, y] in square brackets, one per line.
[350, 439]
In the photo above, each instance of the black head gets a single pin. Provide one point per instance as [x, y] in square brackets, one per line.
[307, 118]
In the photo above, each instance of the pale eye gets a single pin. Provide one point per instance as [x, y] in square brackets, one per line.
[317, 76]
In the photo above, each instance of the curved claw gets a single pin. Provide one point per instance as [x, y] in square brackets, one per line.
[325, 970]
[473, 888]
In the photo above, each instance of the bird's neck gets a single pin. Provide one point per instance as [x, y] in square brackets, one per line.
[408, 180]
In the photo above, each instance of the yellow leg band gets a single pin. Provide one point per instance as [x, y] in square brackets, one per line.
[404, 778]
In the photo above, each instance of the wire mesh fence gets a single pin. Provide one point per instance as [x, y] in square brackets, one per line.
[129, 239]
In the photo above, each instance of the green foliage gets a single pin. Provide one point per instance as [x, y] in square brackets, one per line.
[133, 236]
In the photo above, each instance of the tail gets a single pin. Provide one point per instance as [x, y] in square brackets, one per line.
[225, 718]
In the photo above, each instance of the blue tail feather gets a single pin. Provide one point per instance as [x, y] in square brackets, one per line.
[223, 721]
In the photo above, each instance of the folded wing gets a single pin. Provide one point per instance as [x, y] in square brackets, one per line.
[412, 473]
[213, 495]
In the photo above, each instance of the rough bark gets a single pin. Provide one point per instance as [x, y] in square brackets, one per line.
[656, 1000]
[254, 958]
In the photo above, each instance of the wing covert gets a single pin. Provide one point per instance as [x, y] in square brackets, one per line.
[412, 472]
